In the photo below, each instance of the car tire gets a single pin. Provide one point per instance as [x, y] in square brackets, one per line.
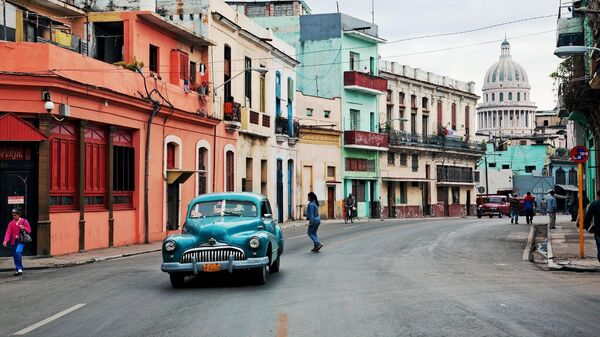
[177, 280]
[274, 267]
[479, 216]
[491, 216]
[500, 215]
[259, 275]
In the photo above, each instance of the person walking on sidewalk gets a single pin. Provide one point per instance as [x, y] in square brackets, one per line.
[13, 233]
[594, 212]
[529, 205]
[552, 207]
[314, 220]
[514, 209]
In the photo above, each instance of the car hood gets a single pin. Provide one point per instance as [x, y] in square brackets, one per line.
[222, 229]
[490, 205]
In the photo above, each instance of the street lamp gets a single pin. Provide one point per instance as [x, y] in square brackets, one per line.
[261, 71]
[568, 51]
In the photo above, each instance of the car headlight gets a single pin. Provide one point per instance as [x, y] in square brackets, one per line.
[170, 246]
[254, 242]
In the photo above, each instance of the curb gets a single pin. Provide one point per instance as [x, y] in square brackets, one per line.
[82, 262]
[550, 260]
[564, 267]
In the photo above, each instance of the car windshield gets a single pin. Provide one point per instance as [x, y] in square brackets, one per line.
[223, 208]
[495, 200]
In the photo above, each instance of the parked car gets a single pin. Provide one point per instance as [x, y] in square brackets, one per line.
[225, 232]
[492, 205]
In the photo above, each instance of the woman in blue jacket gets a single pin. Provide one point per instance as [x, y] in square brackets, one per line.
[314, 220]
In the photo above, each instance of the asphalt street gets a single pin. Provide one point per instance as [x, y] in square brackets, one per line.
[459, 277]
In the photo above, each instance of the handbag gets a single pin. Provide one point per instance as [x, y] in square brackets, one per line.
[24, 237]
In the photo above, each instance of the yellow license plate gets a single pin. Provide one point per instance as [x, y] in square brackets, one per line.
[211, 268]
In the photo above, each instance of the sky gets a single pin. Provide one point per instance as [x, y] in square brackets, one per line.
[399, 19]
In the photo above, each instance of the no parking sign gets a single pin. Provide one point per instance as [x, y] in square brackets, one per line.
[579, 154]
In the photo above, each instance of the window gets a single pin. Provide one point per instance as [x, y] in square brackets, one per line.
[491, 165]
[401, 98]
[330, 172]
[263, 91]
[518, 97]
[359, 190]
[505, 166]
[476, 177]
[247, 182]
[153, 64]
[425, 103]
[263, 176]
[95, 167]
[63, 161]
[229, 171]
[193, 70]
[373, 124]
[510, 96]
[227, 74]
[248, 80]
[546, 122]
[391, 158]
[413, 101]
[529, 169]
[573, 177]
[403, 159]
[309, 112]
[372, 66]
[202, 165]
[326, 113]
[123, 169]
[184, 62]
[354, 61]
[456, 195]
[360, 165]
[467, 120]
[525, 96]
[561, 178]
[493, 97]
[413, 123]
[486, 97]
[415, 162]
[354, 119]
[171, 149]
[439, 117]
[453, 116]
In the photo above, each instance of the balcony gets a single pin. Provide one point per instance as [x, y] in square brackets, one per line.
[400, 138]
[454, 175]
[366, 140]
[366, 83]
[284, 130]
[232, 116]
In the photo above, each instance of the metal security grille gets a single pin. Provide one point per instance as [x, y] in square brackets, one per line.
[212, 255]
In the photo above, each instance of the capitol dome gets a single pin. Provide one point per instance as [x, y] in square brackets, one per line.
[506, 72]
[506, 109]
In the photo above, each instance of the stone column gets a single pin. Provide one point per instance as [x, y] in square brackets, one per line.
[44, 237]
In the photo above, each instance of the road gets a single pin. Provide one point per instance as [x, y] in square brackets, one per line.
[458, 277]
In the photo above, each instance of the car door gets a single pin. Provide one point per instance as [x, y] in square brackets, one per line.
[269, 223]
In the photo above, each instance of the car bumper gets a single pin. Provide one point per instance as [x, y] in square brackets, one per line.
[198, 267]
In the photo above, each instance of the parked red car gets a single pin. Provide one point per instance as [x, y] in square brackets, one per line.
[492, 205]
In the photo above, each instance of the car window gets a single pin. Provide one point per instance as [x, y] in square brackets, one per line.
[265, 208]
[223, 208]
[496, 200]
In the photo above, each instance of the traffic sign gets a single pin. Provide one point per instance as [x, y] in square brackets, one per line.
[579, 154]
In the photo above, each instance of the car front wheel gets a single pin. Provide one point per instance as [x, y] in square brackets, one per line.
[177, 280]
[259, 275]
[274, 268]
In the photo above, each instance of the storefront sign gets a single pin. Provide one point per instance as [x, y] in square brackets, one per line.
[16, 199]
[11, 153]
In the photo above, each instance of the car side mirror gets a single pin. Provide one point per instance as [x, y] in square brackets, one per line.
[268, 216]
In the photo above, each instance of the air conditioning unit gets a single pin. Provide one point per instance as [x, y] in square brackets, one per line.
[64, 110]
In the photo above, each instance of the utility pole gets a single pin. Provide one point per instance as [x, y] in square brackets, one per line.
[373, 11]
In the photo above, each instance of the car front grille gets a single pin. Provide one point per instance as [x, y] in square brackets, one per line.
[212, 254]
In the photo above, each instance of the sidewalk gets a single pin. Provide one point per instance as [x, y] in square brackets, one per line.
[33, 262]
[563, 247]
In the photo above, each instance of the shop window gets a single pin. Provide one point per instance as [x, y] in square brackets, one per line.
[63, 169]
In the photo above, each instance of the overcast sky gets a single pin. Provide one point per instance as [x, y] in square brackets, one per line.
[398, 19]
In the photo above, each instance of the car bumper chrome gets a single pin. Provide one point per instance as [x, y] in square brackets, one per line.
[198, 267]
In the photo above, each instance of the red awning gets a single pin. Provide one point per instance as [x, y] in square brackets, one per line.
[15, 129]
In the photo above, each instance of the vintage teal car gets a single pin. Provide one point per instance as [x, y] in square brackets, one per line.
[225, 232]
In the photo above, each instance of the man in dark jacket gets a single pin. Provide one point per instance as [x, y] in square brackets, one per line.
[594, 212]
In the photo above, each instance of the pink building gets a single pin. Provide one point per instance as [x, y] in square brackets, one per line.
[79, 167]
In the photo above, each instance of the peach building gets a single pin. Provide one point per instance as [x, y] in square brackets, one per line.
[106, 132]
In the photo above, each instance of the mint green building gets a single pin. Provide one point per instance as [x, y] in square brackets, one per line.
[338, 57]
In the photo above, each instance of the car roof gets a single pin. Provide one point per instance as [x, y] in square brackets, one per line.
[241, 196]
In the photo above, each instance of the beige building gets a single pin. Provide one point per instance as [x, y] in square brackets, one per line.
[429, 169]
[254, 81]
[319, 154]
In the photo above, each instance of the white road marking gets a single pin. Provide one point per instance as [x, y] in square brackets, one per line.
[351, 227]
[49, 319]
[528, 246]
[296, 237]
